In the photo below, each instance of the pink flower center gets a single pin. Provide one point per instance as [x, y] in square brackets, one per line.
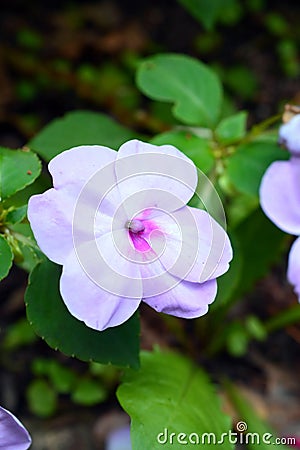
[139, 231]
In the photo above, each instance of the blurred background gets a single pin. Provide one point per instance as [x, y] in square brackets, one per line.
[58, 56]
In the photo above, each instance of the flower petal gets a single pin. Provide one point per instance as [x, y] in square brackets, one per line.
[77, 165]
[280, 194]
[50, 217]
[185, 299]
[289, 134]
[99, 286]
[167, 293]
[119, 439]
[151, 176]
[293, 273]
[59, 213]
[13, 435]
[191, 245]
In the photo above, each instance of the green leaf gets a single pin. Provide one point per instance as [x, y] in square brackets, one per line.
[195, 147]
[240, 207]
[16, 215]
[62, 378]
[228, 283]
[6, 257]
[246, 167]
[208, 13]
[255, 328]
[261, 244]
[241, 81]
[232, 129]
[51, 320]
[283, 319]
[262, 434]
[41, 184]
[109, 375]
[89, 392]
[170, 395]
[27, 251]
[18, 168]
[20, 333]
[193, 87]
[237, 339]
[79, 128]
[42, 398]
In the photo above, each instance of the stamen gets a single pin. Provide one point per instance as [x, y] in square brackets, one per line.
[135, 225]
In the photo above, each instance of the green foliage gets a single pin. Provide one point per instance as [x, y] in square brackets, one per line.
[240, 207]
[26, 252]
[29, 38]
[62, 378]
[20, 199]
[84, 389]
[236, 339]
[6, 257]
[229, 282]
[256, 5]
[239, 334]
[289, 57]
[195, 147]
[16, 215]
[89, 392]
[108, 374]
[276, 24]
[190, 85]
[255, 328]
[79, 128]
[254, 423]
[260, 245]
[19, 334]
[42, 398]
[52, 321]
[286, 317]
[241, 81]
[232, 129]
[169, 392]
[18, 168]
[208, 13]
[247, 165]
[207, 42]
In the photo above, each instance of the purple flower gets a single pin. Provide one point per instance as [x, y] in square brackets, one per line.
[119, 225]
[280, 195]
[119, 439]
[13, 436]
[289, 134]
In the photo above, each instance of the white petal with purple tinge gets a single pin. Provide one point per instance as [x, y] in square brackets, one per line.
[13, 435]
[293, 273]
[280, 194]
[50, 216]
[289, 134]
[88, 302]
[145, 168]
[74, 167]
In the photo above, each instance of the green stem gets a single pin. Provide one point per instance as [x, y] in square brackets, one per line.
[256, 130]
[26, 241]
[283, 319]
